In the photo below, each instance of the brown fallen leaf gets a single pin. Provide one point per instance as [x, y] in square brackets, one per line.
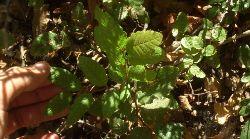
[222, 113]
[185, 103]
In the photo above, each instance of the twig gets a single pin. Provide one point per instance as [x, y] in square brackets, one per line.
[235, 37]
[22, 56]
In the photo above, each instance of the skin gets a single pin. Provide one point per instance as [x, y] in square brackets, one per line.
[24, 92]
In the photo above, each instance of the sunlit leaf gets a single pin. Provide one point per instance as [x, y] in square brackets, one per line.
[219, 33]
[246, 77]
[209, 50]
[196, 71]
[143, 48]
[115, 38]
[192, 44]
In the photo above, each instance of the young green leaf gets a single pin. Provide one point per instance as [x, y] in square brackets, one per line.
[245, 131]
[246, 77]
[245, 107]
[45, 43]
[180, 25]
[58, 103]
[209, 51]
[196, 71]
[114, 41]
[219, 34]
[64, 79]
[140, 73]
[192, 44]
[158, 103]
[143, 48]
[170, 131]
[93, 71]
[140, 133]
[79, 107]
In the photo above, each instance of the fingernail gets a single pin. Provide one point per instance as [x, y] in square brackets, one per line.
[42, 67]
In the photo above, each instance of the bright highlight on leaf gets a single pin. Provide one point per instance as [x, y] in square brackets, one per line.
[143, 47]
[196, 71]
[93, 71]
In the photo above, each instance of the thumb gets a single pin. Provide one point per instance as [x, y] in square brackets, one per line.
[17, 80]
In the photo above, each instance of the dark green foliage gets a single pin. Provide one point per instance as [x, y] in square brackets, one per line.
[58, 103]
[93, 71]
[65, 79]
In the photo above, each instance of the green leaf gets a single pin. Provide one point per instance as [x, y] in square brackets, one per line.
[209, 51]
[93, 71]
[140, 133]
[58, 103]
[117, 73]
[246, 77]
[244, 55]
[64, 79]
[245, 131]
[219, 34]
[180, 25]
[140, 73]
[79, 108]
[212, 12]
[118, 125]
[187, 61]
[158, 103]
[45, 43]
[110, 102]
[170, 131]
[196, 71]
[115, 39]
[143, 47]
[139, 12]
[192, 44]
[65, 39]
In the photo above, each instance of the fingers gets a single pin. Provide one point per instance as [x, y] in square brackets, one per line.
[39, 95]
[17, 80]
[41, 135]
[28, 116]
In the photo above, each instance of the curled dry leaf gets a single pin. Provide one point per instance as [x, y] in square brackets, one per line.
[222, 113]
[212, 86]
[185, 103]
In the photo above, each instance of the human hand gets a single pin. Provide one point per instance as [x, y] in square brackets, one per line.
[24, 93]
